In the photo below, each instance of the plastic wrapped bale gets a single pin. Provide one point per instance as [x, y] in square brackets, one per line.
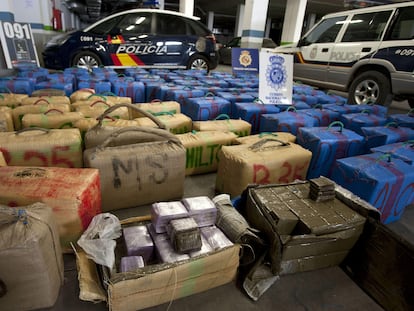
[208, 107]
[405, 120]
[403, 151]
[328, 144]
[355, 121]
[385, 182]
[31, 262]
[286, 121]
[388, 134]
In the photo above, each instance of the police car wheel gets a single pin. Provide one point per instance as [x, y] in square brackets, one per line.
[369, 87]
[86, 60]
[198, 62]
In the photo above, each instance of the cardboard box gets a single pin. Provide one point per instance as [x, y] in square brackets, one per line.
[163, 283]
[323, 235]
[74, 194]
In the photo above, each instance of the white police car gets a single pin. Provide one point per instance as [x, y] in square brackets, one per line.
[139, 37]
[367, 52]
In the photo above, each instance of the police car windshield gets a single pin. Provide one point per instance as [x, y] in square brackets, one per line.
[106, 27]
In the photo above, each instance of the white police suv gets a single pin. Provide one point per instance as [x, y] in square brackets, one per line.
[367, 52]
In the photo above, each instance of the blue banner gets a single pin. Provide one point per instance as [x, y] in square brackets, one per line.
[245, 60]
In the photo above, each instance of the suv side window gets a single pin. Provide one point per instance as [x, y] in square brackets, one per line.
[134, 23]
[325, 32]
[403, 28]
[170, 25]
[366, 27]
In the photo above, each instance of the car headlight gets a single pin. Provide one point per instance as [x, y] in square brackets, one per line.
[58, 40]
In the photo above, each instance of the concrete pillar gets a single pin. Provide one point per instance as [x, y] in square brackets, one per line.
[293, 21]
[210, 20]
[187, 7]
[238, 30]
[254, 23]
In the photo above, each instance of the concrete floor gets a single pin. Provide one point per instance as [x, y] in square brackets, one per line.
[320, 290]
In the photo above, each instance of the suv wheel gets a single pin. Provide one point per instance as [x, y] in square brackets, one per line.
[198, 62]
[370, 87]
[86, 60]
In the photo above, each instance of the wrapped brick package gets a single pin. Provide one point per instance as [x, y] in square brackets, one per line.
[202, 209]
[184, 235]
[74, 195]
[138, 242]
[131, 263]
[163, 212]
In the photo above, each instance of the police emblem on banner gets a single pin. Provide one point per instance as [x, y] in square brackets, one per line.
[245, 58]
[276, 78]
[276, 72]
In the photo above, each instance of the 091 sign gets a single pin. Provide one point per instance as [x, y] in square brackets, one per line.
[18, 44]
[17, 30]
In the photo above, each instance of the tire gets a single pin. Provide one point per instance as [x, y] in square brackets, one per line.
[411, 102]
[86, 60]
[370, 87]
[198, 62]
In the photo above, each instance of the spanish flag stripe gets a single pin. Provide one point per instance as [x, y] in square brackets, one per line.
[137, 60]
[126, 60]
[115, 60]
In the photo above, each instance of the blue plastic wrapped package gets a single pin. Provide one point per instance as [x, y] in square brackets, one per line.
[309, 99]
[403, 119]
[252, 112]
[323, 117]
[132, 89]
[403, 151]
[355, 121]
[384, 182]
[383, 135]
[342, 108]
[183, 95]
[374, 109]
[236, 97]
[287, 121]
[99, 86]
[206, 108]
[328, 144]
[17, 85]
